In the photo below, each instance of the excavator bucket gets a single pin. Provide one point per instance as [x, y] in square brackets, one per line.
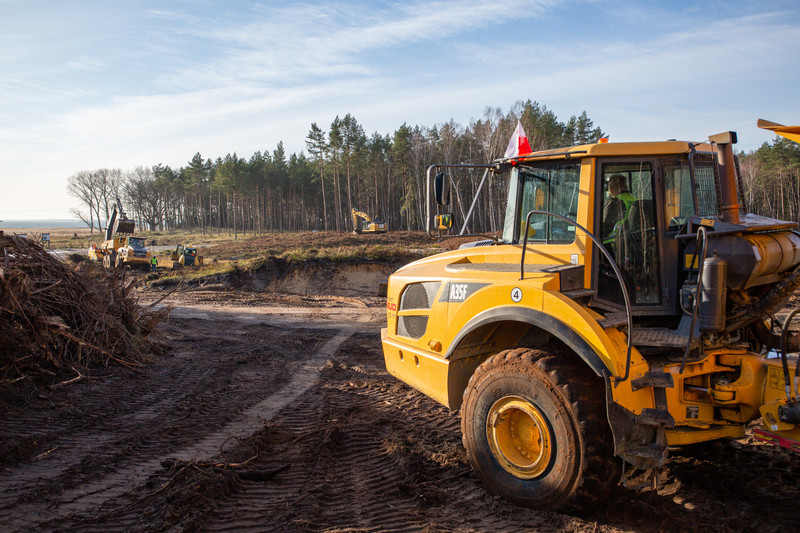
[126, 226]
[790, 132]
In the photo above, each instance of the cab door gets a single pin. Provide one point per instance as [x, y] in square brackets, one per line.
[629, 223]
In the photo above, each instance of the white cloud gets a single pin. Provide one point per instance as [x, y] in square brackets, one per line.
[265, 74]
[302, 41]
[86, 63]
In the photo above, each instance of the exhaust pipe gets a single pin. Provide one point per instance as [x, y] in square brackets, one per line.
[729, 204]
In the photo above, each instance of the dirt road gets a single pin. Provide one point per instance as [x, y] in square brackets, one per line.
[275, 413]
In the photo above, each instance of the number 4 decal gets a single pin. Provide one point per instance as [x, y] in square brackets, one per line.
[516, 294]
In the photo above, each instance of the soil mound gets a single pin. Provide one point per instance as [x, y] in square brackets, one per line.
[310, 277]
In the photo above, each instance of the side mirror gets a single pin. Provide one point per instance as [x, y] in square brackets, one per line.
[444, 221]
[441, 188]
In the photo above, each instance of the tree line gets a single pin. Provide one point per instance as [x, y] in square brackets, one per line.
[771, 179]
[381, 174]
[344, 168]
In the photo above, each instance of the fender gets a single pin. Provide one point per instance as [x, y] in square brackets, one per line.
[539, 319]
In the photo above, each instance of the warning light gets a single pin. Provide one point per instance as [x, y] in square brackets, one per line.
[603, 140]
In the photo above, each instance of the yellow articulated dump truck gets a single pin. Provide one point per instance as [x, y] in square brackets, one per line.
[627, 307]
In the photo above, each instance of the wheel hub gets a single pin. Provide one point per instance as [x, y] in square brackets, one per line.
[519, 437]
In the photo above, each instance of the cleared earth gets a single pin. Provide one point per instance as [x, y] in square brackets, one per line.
[271, 410]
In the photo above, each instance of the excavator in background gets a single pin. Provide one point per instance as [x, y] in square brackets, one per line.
[362, 223]
[120, 247]
[579, 349]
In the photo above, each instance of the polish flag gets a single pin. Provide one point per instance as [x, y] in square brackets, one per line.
[518, 145]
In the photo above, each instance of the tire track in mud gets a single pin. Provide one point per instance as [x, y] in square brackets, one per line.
[186, 407]
[246, 423]
[366, 453]
[359, 458]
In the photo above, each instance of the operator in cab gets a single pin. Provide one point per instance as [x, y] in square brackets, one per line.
[616, 209]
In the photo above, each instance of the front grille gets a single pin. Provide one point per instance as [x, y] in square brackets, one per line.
[419, 295]
[412, 326]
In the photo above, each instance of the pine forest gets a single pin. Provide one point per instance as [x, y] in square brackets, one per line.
[384, 175]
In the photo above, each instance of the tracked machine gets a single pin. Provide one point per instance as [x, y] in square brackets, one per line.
[580, 349]
[362, 223]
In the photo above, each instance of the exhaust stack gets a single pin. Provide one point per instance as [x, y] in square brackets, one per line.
[729, 205]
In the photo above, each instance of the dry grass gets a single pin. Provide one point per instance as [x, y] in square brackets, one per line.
[249, 253]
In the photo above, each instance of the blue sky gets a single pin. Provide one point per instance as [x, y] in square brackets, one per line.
[92, 84]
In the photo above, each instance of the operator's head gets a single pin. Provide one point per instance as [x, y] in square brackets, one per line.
[616, 184]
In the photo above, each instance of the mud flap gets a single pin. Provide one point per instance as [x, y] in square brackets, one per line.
[636, 441]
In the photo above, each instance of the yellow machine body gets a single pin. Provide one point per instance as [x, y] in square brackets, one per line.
[363, 223]
[186, 255]
[448, 313]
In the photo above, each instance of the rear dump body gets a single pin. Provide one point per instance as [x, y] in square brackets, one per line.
[690, 376]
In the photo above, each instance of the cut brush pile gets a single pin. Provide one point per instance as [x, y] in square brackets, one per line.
[55, 317]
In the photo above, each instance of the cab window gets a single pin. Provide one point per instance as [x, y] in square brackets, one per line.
[552, 188]
[678, 198]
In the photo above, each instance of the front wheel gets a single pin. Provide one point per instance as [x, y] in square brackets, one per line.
[535, 430]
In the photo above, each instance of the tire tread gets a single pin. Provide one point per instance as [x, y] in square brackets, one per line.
[584, 393]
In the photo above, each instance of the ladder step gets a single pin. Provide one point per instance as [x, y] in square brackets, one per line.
[653, 379]
[613, 320]
[661, 337]
[655, 417]
[654, 451]
[579, 293]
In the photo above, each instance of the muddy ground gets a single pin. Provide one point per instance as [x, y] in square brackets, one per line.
[272, 411]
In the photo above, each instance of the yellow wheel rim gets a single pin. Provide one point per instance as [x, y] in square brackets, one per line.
[519, 437]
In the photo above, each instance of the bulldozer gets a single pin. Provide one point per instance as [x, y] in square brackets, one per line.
[362, 223]
[579, 350]
[120, 247]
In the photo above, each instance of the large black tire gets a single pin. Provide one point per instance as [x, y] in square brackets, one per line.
[536, 433]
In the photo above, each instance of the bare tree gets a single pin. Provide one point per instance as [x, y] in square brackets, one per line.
[81, 185]
[143, 196]
[86, 219]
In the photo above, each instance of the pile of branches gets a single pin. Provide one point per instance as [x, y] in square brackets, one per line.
[57, 318]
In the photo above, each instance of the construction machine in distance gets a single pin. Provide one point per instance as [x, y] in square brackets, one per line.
[120, 247]
[362, 223]
[185, 255]
[578, 350]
